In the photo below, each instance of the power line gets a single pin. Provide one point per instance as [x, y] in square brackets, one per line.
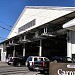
[2, 38]
[4, 28]
[25, 18]
[5, 23]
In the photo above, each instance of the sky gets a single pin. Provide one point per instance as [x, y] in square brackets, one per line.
[11, 9]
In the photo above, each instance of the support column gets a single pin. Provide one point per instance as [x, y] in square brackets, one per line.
[40, 48]
[45, 30]
[14, 52]
[24, 50]
[69, 49]
[24, 46]
[73, 44]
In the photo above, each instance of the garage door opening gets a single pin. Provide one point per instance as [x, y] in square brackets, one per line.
[32, 49]
[55, 46]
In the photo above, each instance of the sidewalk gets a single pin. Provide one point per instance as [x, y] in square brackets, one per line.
[3, 63]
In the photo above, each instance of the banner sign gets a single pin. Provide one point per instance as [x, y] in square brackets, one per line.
[61, 68]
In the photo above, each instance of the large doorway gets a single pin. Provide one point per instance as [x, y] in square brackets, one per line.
[32, 49]
[56, 46]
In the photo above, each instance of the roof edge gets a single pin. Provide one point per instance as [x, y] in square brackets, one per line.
[71, 23]
[52, 7]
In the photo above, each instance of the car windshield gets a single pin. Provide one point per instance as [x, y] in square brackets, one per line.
[29, 59]
[46, 59]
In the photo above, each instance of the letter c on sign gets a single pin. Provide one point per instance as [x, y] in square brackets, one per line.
[59, 71]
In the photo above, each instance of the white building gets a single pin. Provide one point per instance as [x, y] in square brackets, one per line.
[71, 37]
[40, 30]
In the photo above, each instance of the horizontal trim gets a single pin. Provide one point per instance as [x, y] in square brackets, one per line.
[69, 24]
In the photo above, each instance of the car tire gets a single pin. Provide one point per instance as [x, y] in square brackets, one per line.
[30, 68]
[26, 64]
[18, 64]
[9, 64]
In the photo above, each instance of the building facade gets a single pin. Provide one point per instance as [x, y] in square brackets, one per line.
[40, 31]
[71, 37]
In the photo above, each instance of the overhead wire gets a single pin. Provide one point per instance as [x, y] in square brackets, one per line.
[5, 23]
[2, 38]
[25, 18]
[11, 26]
[4, 28]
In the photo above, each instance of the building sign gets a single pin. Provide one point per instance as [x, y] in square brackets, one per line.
[62, 69]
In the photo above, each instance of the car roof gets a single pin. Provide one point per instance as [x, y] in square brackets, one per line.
[38, 56]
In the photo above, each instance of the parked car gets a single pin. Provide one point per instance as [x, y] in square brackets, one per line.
[16, 61]
[62, 59]
[38, 63]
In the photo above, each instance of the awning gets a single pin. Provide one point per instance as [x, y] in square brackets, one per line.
[70, 25]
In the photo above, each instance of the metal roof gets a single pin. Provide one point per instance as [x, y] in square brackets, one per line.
[51, 7]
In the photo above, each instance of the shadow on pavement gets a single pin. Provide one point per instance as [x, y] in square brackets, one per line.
[43, 74]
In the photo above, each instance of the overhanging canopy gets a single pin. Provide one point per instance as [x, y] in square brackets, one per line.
[70, 25]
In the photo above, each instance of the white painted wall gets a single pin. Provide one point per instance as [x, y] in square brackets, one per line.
[3, 54]
[41, 15]
[71, 44]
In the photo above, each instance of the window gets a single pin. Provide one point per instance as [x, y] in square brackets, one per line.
[46, 59]
[28, 25]
[35, 59]
[40, 59]
[29, 59]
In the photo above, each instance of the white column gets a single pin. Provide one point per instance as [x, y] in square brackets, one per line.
[14, 51]
[24, 50]
[45, 30]
[24, 46]
[69, 49]
[73, 42]
[69, 54]
[40, 48]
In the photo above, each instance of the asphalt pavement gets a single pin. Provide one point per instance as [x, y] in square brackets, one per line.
[6, 69]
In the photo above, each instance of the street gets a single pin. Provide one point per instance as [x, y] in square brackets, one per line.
[11, 70]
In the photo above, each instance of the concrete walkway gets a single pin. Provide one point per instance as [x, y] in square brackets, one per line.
[3, 63]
